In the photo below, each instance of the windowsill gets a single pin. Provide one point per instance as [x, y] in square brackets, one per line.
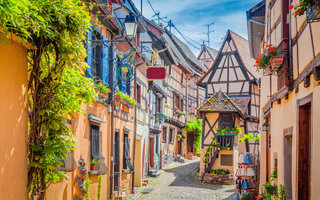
[95, 173]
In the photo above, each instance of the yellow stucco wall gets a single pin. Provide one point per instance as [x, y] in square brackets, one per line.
[13, 121]
[285, 115]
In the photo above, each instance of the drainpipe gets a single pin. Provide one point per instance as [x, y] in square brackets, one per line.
[111, 97]
[135, 127]
[290, 45]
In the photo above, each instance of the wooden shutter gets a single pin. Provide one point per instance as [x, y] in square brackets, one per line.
[89, 54]
[127, 154]
[105, 63]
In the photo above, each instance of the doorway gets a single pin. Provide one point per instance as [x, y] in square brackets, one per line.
[117, 161]
[151, 153]
[179, 144]
[304, 152]
[288, 165]
[190, 142]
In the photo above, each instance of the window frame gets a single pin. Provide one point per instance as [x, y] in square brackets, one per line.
[139, 93]
[171, 135]
[92, 144]
[164, 134]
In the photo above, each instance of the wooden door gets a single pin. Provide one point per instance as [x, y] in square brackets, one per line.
[143, 155]
[190, 141]
[117, 161]
[151, 152]
[288, 166]
[304, 150]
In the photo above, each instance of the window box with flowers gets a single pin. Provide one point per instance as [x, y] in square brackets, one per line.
[102, 89]
[123, 98]
[269, 61]
[179, 112]
[310, 7]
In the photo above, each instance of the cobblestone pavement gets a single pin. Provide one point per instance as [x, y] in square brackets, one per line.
[176, 182]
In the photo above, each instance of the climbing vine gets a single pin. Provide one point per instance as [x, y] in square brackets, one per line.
[56, 83]
[197, 127]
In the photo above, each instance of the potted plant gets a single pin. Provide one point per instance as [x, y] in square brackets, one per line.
[228, 146]
[274, 175]
[270, 189]
[270, 60]
[227, 130]
[219, 130]
[94, 165]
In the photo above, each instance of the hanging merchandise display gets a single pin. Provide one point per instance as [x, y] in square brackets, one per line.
[246, 176]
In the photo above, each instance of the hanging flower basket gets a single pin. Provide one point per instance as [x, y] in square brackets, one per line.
[179, 112]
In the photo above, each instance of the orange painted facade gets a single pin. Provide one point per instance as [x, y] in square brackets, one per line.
[13, 120]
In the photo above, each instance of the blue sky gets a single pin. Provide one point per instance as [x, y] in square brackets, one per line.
[189, 16]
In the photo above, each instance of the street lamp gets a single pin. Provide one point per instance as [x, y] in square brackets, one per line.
[131, 24]
[266, 126]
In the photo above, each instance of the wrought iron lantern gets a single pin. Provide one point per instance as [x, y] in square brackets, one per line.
[266, 126]
[131, 24]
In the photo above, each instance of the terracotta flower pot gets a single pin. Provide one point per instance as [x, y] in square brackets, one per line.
[276, 62]
[93, 168]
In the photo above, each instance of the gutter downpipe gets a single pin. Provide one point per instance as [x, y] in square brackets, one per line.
[135, 128]
[111, 96]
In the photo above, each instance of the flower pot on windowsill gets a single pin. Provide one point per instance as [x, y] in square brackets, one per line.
[276, 62]
[93, 168]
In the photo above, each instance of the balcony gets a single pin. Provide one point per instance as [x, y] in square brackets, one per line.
[313, 12]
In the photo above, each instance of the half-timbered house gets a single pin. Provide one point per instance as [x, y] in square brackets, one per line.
[289, 95]
[183, 96]
[207, 56]
[233, 73]
[219, 151]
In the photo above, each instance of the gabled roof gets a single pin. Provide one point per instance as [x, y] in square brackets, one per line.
[212, 52]
[256, 25]
[242, 48]
[220, 102]
[181, 53]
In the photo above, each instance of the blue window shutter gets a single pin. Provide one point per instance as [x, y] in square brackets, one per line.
[105, 62]
[89, 53]
[128, 83]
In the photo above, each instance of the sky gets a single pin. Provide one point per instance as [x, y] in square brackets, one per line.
[189, 16]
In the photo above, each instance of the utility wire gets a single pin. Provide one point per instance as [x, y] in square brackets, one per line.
[186, 38]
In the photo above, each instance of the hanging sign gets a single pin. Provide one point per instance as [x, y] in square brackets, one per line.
[156, 73]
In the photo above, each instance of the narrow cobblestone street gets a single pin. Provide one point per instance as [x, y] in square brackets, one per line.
[177, 182]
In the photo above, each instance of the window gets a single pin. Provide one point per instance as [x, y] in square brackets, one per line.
[181, 104]
[226, 120]
[96, 65]
[138, 93]
[226, 160]
[171, 132]
[95, 143]
[164, 134]
[158, 105]
[157, 138]
[126, 153]
[176, 100]
[182, 78]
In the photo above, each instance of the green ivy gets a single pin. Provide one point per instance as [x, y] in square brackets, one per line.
[250, 137]
[87, 184]
[56, 83]
[197, 127]
[99, 187]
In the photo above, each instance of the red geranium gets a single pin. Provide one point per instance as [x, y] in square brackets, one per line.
[263, 58]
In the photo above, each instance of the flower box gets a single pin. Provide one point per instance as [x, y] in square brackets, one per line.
[274, 64]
